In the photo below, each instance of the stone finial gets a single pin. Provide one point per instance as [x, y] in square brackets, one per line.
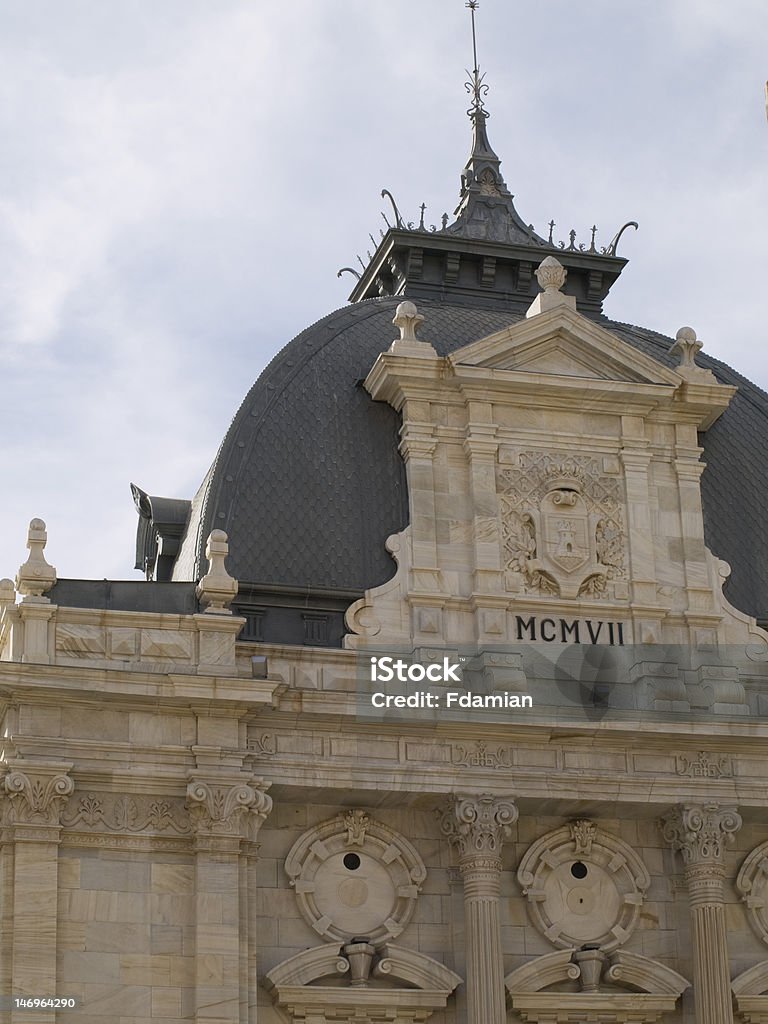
[551, 275]
[217, 588]
[7, 594]
[407, 318]
[35, 577]
[687, 345]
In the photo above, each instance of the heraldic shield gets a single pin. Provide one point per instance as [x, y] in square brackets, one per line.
[565, 525]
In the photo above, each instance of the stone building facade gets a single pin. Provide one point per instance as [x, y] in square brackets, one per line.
[216, 807]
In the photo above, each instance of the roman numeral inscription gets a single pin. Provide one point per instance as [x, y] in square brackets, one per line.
[570, 631]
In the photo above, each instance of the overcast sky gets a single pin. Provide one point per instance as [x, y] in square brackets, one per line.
[181, 180]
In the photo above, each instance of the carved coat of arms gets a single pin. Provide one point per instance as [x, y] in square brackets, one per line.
[562, 525]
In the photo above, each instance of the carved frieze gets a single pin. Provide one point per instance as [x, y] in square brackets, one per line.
[262, 745]
[99, 812]
[478, 755]
[562, 524]
[704, 765]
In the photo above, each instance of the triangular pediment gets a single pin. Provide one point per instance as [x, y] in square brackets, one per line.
[564, 343]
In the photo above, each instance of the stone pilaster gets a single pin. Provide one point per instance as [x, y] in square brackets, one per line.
[636, 460]
[477, 827]
[701, 833]
[34, 795]
[418, 446]
[688, 471]
[227, 810]
[481, 449]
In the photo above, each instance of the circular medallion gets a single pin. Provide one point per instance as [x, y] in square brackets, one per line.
[355, 878]
[584, 886]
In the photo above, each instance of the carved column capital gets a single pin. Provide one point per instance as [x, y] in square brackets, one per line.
[227, 806]
[36, 794]
[701, 832]
[478, 826]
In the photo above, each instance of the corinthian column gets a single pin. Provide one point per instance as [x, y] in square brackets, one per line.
[701, 832]
[227, 810]
[32, 797]
[477, 827]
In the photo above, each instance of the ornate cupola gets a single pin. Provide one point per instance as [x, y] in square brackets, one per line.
[488, 254]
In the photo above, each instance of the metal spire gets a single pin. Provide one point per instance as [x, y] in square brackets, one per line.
[475, 85]
[485, 207]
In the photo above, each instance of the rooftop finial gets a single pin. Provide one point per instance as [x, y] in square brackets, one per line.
[485, 207]
[475, 85]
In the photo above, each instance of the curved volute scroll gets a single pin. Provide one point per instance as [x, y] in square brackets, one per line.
[584, 887]
[364, 617]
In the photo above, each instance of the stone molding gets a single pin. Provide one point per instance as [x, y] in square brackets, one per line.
[651, 989]
[425, 986]
[750, 991]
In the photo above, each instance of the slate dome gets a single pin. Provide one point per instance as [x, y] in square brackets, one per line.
[308, 482]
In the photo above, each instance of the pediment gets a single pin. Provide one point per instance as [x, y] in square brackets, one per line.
[564, 343]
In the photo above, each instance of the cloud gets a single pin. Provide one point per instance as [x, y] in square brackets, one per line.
[180, 184]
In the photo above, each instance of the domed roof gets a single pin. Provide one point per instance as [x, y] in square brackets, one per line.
[308, 482]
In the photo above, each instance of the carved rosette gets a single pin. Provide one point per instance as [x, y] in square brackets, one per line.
[477, 826]
[228, 809]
